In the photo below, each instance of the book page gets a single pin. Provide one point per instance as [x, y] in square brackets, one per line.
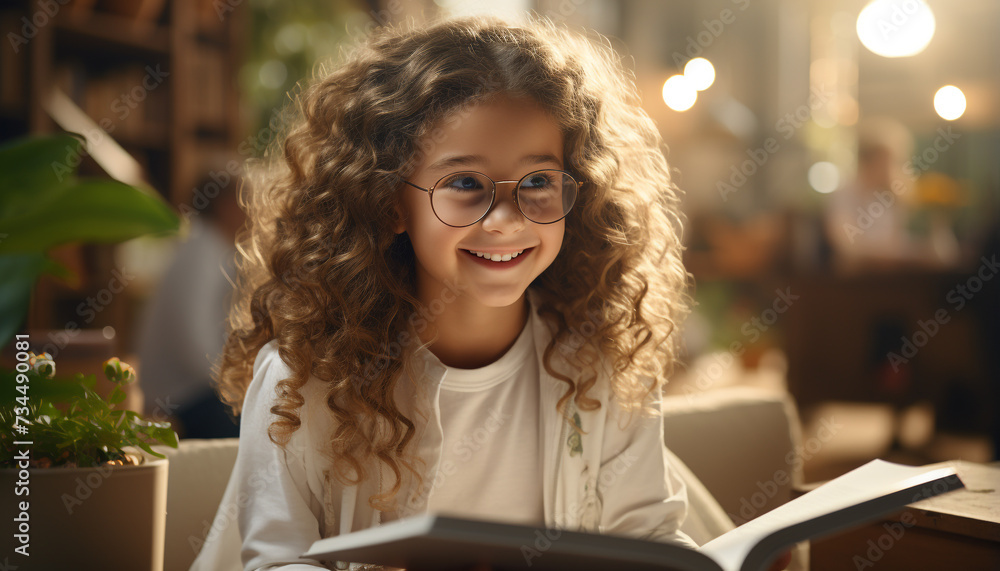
[873, 480]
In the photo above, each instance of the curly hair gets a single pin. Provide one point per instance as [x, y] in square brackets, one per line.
[322, 272]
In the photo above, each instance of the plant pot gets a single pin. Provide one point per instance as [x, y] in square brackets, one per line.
[85, 518]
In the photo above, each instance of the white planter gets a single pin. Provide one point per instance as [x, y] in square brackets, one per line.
[85, 518]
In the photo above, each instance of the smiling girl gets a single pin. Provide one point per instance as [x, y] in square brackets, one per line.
[460, 293]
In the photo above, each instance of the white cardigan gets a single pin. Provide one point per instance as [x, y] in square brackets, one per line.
[613, 479]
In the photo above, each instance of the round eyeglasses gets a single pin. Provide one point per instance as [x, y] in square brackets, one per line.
[463, 198]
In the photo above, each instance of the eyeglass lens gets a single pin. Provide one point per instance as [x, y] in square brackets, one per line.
[462, 198]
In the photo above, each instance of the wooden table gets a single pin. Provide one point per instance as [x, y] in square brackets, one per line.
[959, 530]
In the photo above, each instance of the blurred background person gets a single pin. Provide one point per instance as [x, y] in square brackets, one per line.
[869, 221]
[183, 326]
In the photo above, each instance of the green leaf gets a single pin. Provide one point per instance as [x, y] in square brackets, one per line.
[88, 433]
[146, 447]
[44, 204]
[34, 170]
[90, 211]
[47, 408]
[161, 434]
[66, 443]
[166, 436]
[20, 273]
[88, 382]
[56, 389]
[117, 395]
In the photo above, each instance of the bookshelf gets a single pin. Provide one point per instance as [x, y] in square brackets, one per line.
[160, 78]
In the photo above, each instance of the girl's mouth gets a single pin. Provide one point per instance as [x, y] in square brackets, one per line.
[498, 261]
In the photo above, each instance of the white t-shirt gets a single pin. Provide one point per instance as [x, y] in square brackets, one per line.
[490, 454]
[278, 501]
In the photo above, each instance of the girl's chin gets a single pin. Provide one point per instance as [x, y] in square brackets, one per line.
[496, 299]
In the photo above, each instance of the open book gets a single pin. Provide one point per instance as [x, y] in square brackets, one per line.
[432, 541]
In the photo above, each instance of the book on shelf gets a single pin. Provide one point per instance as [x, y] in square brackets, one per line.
[434, 541]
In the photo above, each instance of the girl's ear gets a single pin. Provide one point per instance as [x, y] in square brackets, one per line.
[399, 226]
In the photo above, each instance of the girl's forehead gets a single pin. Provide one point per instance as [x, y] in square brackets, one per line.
[503, 130]
[497, 107]
[499, 118]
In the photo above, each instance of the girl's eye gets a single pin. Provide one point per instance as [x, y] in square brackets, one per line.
[537, 181]
[464, 183]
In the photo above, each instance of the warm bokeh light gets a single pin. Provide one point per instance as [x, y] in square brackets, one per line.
[291, 38]
[824, 177]
[678, 93]
[896, 28]
[949, 102]
[847, 110]
[272, 74]
[700, 72]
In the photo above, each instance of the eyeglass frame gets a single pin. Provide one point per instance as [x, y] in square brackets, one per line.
[493, 197]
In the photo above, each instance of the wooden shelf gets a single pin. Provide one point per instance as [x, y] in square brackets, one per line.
[12, 113]
[153, 139]
[103, 61]
[100, 30]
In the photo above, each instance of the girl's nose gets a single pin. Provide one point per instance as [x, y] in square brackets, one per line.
[505, 215]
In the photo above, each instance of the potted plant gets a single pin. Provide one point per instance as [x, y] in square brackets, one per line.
[76, 469]
[73, 466]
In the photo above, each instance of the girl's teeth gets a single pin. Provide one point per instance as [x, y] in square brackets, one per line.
[498, 257]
